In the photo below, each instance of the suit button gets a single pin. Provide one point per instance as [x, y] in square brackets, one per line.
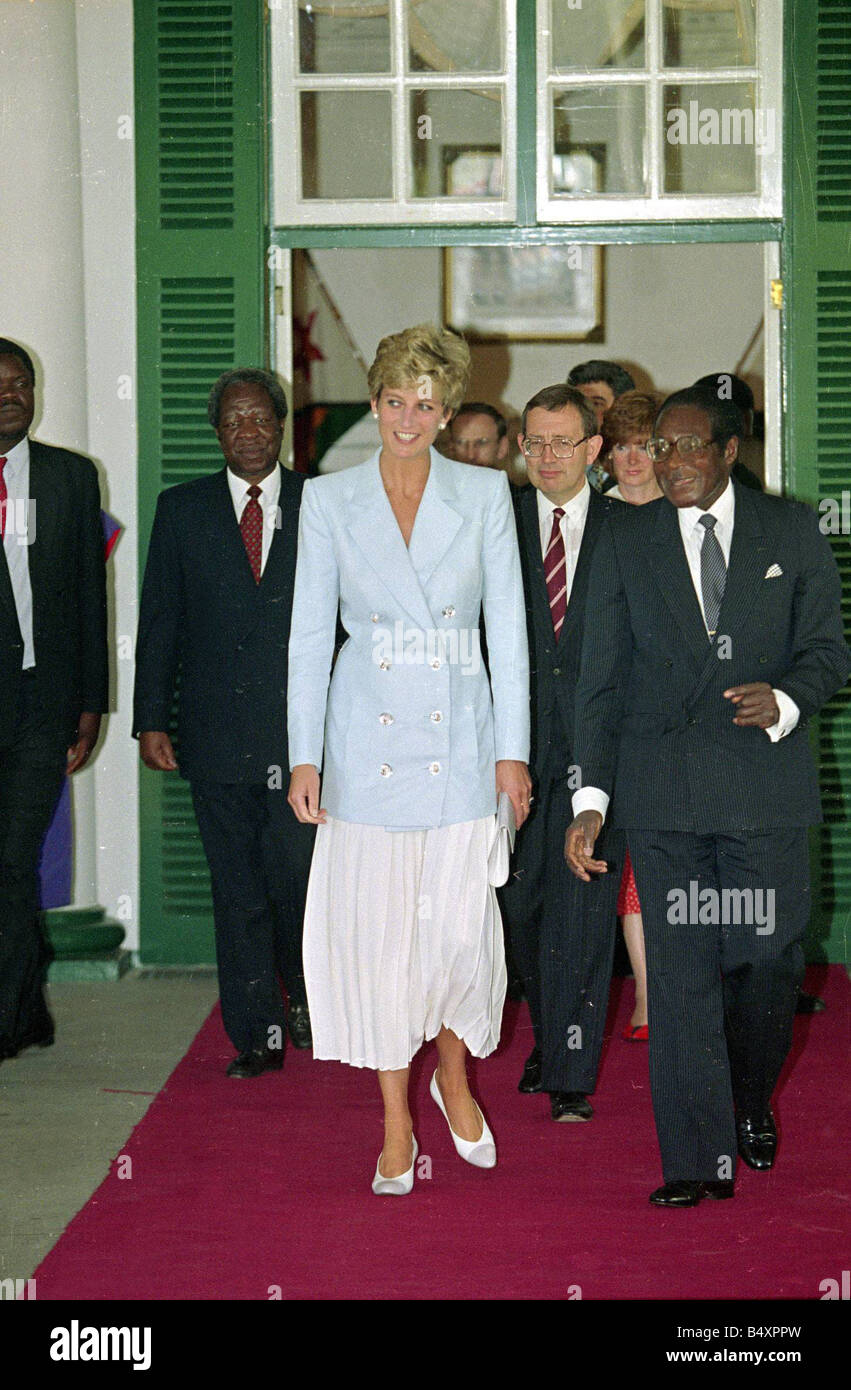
[434, 768]
[435, 665]
[669, 663]
[384, 664]
[449, 611]
[436, 717]
[691, 719]
[385, 719]
[762, 660]
[386, 770]
[556, 670]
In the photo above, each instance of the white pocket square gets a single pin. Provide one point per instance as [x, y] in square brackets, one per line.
[773, 572]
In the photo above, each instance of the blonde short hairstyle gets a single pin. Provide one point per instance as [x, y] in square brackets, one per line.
[436, 361]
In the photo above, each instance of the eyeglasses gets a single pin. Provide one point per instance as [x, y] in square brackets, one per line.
[562, 448]
[686, 446]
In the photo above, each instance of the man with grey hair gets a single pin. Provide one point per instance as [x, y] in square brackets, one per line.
[216, 602]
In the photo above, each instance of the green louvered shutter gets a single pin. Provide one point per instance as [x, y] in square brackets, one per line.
[201, 218]
[817, 292]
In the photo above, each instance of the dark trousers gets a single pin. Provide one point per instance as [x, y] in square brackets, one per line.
[562, 935]
[721, 993]
[259, 859]
[32, 771]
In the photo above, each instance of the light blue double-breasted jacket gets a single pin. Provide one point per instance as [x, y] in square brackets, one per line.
[408, 727]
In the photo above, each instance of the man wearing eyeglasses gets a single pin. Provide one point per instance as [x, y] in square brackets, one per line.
[216, 603]
[717, 636]
[562, 931]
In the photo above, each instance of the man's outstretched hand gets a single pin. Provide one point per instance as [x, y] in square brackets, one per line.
[579, 844]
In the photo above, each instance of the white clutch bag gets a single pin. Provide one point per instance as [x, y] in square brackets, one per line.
[503, 843]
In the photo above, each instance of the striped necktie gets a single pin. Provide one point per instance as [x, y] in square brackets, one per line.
[713, 573]
[555, 572]
[4, 497]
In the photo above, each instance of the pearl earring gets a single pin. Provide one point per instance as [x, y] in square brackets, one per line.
[375, 415]
[442, 425]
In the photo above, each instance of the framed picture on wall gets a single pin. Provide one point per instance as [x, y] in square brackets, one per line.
[520, 293]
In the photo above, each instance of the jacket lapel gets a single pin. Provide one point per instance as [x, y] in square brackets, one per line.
[667, 559]
[597, 507]
[375, 531]
[45, 504]
[745, 572]
[530, 535]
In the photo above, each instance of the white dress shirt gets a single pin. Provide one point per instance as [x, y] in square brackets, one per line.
[19, 520]
[724, 510]
[270, 492]
[571, 525]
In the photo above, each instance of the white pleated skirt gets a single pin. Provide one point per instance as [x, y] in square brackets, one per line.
[402, 936]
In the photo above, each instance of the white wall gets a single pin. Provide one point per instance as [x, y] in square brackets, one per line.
[67, 292]
[105, 85]
[671, 312]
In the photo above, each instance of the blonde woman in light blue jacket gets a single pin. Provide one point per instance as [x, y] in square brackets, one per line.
[402, 937]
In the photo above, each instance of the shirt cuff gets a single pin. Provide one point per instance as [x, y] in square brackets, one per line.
[789, 716]
[590, 799]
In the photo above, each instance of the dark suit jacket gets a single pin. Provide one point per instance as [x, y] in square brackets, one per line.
[202, 611]
[554, 665]
[651, 720]
[68, 581]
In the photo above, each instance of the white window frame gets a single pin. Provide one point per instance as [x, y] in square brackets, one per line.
[767, 77]
[288, 83]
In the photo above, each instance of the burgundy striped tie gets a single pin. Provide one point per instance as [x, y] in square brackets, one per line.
[4, 495]
[555, 570]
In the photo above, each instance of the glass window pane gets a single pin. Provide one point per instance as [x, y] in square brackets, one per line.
[604, 125]
[456, 143]
[709, 33]
[343, 37]
[711, 136]
[345, 148]
[449, 36]
[607, 33]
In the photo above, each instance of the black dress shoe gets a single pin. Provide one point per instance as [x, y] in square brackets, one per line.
[255, 1062]
[530, 1081]
[757, 1141]
[298, 1026]
[570, 1105]
[809, 1004]
[686, 1192]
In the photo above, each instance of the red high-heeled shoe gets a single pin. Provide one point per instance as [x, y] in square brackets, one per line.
[637, 1033]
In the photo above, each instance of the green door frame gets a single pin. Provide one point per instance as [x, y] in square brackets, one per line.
[242, 251]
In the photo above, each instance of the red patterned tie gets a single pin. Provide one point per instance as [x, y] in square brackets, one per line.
[4, 495]
[251, 526]
[555, 570]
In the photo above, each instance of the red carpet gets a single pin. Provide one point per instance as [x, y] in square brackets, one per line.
[238, 1187]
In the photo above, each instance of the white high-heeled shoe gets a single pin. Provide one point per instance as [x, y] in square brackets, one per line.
[480, 1152]
[394, 1187]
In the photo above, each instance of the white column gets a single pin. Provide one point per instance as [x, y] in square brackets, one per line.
[104, 56]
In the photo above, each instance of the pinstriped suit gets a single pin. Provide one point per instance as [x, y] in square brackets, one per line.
[705, 801]
[562, 931]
